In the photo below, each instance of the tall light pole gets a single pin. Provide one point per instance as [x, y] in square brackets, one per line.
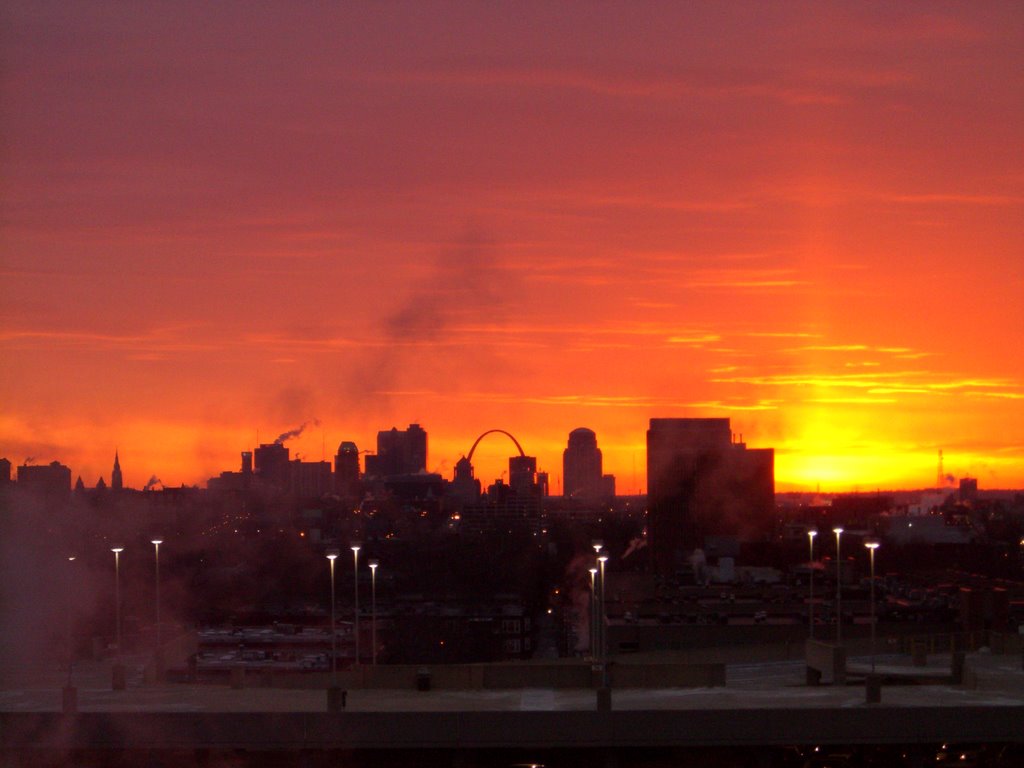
[602, 559]
[67, 606]
[355, 563]
[332, 555]
[373, 610]
[810, 593]
[117, 672]
[593, 613]
[872, 546]
[159, 655]
[839, 590]
[117, 596]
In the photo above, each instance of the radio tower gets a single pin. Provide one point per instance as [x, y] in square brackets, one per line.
[940, 478]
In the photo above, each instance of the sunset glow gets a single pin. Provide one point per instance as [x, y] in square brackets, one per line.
[225, 220]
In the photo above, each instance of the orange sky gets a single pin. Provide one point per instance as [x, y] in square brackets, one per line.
[223, 218]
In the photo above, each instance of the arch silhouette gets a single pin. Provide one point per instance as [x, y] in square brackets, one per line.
[476, 442]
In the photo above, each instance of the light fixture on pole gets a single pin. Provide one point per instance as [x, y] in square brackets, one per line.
[117, 596]
[332, 555]
[373, 610]
[355, 563]
[602, 559]
[158, 657]
[810, 591]
[839, 590]
[117, 671]
[593, 613]
[67, 606]
[872, 545]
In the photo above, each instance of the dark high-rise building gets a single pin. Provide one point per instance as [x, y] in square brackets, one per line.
[310, 479]
[51, 481]
[522, 475]
[700, 483]
[346, 471]
[399, 453]
[116, 479]
[272, 465]
[581, 466]
[5, 471]
[464, 488]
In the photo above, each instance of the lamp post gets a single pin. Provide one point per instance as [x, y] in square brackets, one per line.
[355, 572]
[839, 590]
[158, 657]
[70, 694]
[67, 606]
[373, 610]
[602, 559]
[810, 592]
[117, 672]
[332, 555]
[872, 546]
[593, 613]
[117, 596]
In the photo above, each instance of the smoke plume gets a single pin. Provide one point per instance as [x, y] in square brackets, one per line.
[286, 436]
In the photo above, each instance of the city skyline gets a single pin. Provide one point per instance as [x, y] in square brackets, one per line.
[227, 220]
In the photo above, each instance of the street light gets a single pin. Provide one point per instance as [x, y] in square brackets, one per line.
[159, 656]
[872, 546]
[593, 613]
[598, 545]
[810, 594]
[67, 605]
[332, 555]
[117, 672]
[602, 559]
[373, 609]
[355, 562]
[117, 596]
[839, 590]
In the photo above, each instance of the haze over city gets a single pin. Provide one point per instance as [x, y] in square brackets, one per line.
[224, 220]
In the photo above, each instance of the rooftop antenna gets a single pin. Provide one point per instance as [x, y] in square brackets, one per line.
[940, 477]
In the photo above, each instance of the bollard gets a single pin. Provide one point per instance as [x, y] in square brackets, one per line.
[423, 679]
[873, 689]
[117, 681]
[336, 698]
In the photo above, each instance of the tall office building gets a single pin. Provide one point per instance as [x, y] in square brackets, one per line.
[272, 465]
[399, 453]
[50, 481]
[700, 483]
[581, 466]
[310, 479]
[522, 475]
[346, 470]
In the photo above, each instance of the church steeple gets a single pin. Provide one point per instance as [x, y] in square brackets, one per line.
[116, 481]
